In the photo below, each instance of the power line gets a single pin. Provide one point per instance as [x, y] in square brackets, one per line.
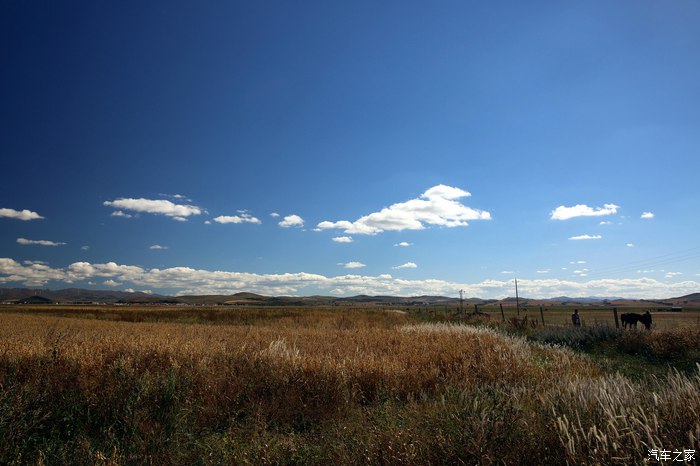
[665, 259]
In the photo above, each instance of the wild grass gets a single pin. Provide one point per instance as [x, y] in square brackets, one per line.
[338, 387]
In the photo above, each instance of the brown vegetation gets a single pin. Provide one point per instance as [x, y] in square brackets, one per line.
[319, 387]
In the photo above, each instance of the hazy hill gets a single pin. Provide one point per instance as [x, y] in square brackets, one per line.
[79, 295]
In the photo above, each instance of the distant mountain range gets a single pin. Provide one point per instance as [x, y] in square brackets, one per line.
[79, 295]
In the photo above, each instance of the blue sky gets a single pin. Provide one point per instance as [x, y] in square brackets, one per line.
[482, 136]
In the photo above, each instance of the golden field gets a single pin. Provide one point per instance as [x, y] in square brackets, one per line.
[319, 386]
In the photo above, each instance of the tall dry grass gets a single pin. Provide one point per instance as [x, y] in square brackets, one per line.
[343, 387]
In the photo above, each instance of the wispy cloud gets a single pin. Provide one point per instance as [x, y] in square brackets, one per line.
[158, 246]
[354, 265]
[243, 217]
[403, 244]
[605, 222]
[291, 221]
[19, 214]
[407, 265]
[582, 210]
[543, 271]
[630, 245]
[40, 242]
[274, 215]
[647, 215]
[155, 206]
[507, 272]
[343, 239]
[672, 274]
[85, 248]
[583, 237]
[436, 206]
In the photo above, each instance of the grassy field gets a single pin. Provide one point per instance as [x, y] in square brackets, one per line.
[123, 385]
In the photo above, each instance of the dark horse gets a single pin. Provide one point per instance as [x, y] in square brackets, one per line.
[631, 319]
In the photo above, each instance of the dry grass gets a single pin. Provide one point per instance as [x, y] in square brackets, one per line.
[327, 386]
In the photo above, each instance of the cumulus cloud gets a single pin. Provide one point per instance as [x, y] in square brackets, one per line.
[178, 212]
[354, 265]
[582, 237]
[243, 217]
[647, 215]
[407, 265]
[403, 244]
[19, 214]
[343, 239]
[186, 280]
[119, 213]
[291, 221]
[582, 210]
[274, 215]
[438, 206]
[40, 242]
[111, 282]
[158, 246]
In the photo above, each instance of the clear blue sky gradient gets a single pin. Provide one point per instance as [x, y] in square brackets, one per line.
[335, 110]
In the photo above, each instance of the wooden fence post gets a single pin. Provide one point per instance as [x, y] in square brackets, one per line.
[542, 315]
[502, 314]
[617, 322]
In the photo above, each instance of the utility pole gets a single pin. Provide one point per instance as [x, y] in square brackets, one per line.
[461, 300]
[517, 300]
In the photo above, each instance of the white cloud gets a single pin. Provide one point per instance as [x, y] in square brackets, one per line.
[155, 206]
[403, 244]
[386, 276]
[582, 237]
[436, 206]
[186, 280]
[20, 214]
[543, 271]
[407, 265]
[343, 239]
[274, 215]
[40, 242]
[207, 222]
[582, 210]
[130, 290]
[672, 274]
[158, 246]
[119, 213]
[507, 272]
[242, 218]
[111, 282]
[85, 248]
[354, 265]
[630, 245]
[291, 221]
[647, 215]
[605, 223]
